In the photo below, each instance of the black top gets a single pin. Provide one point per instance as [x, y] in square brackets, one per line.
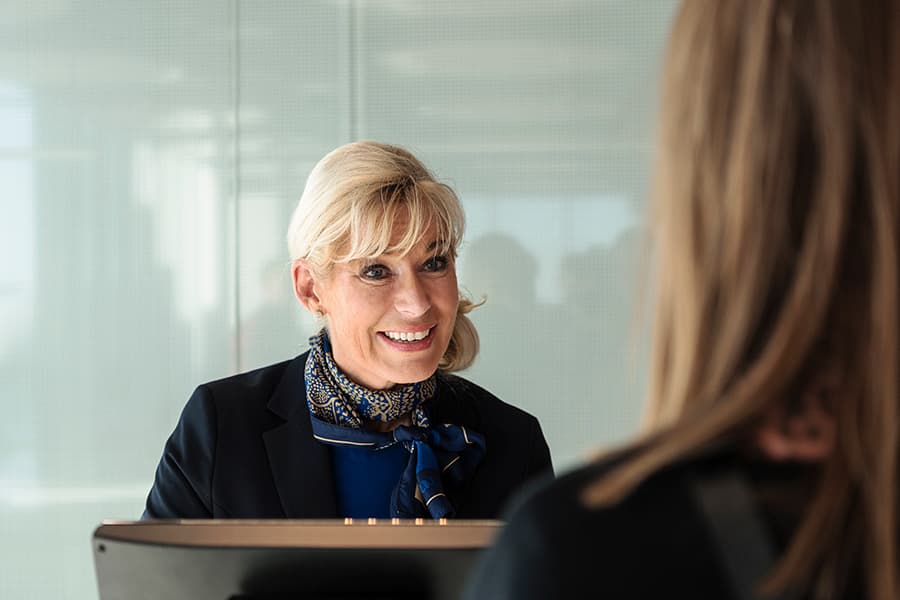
[655, 543]
[243, 448]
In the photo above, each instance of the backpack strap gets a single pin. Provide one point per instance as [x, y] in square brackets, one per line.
[738, 532]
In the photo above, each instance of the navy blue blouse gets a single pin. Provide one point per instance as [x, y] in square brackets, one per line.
[379, 469]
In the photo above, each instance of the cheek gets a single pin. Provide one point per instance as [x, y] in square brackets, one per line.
[448, 294]
[355, 310]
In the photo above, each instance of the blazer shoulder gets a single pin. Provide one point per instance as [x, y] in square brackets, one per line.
[467, 393]
[260, 384]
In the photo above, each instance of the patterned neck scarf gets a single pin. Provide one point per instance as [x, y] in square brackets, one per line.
[333, 398]
[438, 456]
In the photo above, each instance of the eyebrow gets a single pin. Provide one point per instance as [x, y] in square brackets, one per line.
[431, 247]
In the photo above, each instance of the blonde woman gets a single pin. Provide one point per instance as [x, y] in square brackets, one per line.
[771, 463]
[370, 422]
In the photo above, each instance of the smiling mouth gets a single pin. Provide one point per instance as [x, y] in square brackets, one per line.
[407, 336]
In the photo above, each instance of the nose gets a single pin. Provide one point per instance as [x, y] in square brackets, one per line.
[412, 298]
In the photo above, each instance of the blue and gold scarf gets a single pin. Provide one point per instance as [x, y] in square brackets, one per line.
[333, 398]
[339, 406]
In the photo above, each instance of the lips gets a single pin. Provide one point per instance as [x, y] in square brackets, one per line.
[408, 336]
[409, 341]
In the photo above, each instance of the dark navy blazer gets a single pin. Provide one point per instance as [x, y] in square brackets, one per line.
[243, 448]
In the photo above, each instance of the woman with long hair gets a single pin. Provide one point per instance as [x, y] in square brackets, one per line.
[770, 461]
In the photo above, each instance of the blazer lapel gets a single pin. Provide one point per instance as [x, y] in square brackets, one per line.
[448, 407]
[301, 466]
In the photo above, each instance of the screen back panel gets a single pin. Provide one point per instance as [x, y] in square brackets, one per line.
[268, 560]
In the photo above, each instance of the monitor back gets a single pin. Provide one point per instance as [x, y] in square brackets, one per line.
[281, 559]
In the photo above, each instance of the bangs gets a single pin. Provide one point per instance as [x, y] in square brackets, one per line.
[397, 218]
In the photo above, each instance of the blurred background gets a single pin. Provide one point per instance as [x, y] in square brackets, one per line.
[151, 153]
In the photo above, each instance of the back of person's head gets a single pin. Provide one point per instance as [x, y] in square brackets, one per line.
[777, 218]
[365, 199]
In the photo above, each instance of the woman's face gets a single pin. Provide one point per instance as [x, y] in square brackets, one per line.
[390, 318]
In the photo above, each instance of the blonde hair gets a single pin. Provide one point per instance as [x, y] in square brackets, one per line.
[352, 200]
[777, 214]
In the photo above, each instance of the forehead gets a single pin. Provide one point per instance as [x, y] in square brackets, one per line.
[398, 245]
[395, 232]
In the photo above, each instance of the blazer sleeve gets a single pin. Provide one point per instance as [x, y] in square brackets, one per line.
[539, 461]
[182, 488]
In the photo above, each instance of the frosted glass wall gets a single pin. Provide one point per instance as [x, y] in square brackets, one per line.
[151, 153]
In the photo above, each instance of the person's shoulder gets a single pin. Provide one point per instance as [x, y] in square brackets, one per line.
[466, 392]
[462, 386]
[657, 515]
[556, 543]
[261, 382]
[664, 491]
[562, 495]
[259, 377]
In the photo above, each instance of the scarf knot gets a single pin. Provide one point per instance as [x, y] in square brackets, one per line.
[439, 458]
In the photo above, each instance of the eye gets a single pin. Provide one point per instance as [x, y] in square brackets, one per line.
[374, 272]
[436, 264]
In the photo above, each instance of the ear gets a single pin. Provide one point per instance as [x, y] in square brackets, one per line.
[806, 437]
[305, 286]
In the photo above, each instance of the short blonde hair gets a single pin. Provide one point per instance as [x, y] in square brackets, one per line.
[350, 204]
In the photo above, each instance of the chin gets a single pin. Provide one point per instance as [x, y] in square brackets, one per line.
[413, 375]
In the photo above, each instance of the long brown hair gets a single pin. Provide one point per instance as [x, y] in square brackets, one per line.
[777, 216]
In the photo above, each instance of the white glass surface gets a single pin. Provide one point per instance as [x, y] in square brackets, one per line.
[151, 154]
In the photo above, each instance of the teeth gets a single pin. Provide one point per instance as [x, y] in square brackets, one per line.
[403, 336]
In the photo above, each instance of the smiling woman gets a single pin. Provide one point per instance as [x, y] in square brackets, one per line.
[390, 317]
[370, 422]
